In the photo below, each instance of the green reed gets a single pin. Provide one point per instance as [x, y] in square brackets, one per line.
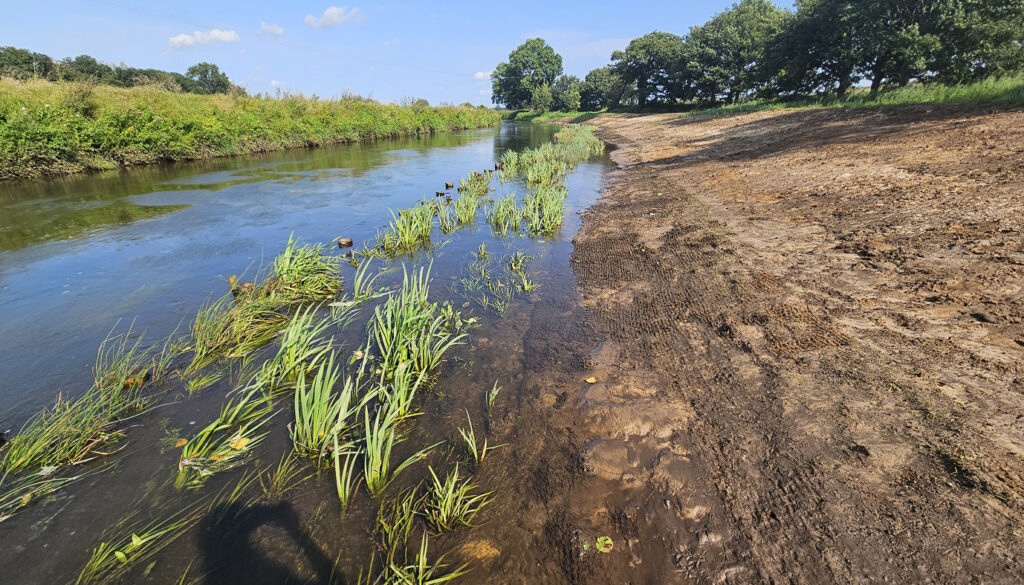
[449, 503]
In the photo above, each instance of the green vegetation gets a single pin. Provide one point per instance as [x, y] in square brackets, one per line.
[304, 274]
[756, 51]
[73, 431]
[226, 328]
[530, 70]
[353, 415]
[49, 128]
[449, 504]
[476, 453]
[227, 441]
[111, 560]
[408, 230]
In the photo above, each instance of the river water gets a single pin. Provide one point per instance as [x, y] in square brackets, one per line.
[84, 255]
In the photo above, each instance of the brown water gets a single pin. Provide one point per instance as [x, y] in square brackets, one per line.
[79, 254]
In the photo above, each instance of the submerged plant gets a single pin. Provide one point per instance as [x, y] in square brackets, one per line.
[73, 431]
[476, 453]
[395, 520]
[346, 476]
[406, 328]
[303, 347]
[422, 571]
[317, 412]
[380, 437]
[285, 476]
[449, 504]
[111, 560]
[447, 218]
[362, 283]
[229, 439]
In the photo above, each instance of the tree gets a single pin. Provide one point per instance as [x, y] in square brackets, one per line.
[651, 62]
[83, 67]
[724, 57]
[22, 64]
[979, 38]
[208, 78]
[540, 99]
[566, 93]
[603, 88]
[816, 52]
[530, 66]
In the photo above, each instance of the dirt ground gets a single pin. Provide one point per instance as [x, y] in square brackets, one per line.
[812, 367]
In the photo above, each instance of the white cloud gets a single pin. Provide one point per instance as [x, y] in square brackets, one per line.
[203, 38]
[276, 83]
[271, 29]
[335, 15]
[484, 92]
[390, 43]
[482, 75]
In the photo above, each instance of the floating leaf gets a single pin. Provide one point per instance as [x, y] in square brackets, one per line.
[591, 380]
[604, 544]
[180, 443]
[239, 443]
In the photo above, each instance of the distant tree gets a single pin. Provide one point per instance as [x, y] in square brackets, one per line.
[22, 64]
[83, 67]
[651, 63]
[565, 93]
[603, 88]
[723, 58]
[208, 78]
[541, 99]
[530, 66]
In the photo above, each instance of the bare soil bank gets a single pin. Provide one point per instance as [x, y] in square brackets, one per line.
[814, 366]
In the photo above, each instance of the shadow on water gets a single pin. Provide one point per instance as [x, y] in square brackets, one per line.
[233, 545]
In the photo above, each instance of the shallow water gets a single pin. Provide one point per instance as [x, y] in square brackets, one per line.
[81, 255]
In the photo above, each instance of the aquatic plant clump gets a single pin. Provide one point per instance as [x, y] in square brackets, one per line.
[73, 431]
[408, 328]
[229, 328]
[304, 274]
[449, 502]
[407, 231]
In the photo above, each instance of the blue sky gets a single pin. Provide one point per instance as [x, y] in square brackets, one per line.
[441, 51]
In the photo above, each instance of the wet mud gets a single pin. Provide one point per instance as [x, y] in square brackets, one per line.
[813, 331]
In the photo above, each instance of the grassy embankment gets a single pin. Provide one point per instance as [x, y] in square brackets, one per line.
[1003, 92]
[61, 128]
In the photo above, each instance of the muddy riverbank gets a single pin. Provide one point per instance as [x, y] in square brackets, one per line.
[814, 331]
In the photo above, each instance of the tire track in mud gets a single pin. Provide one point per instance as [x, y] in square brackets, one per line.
[745, 393]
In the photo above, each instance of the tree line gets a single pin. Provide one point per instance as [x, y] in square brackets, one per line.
[203, 78]
[755, 49]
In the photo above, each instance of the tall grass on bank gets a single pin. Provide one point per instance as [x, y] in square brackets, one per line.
[1006, 91]
[60, 128]
[1001, 91]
